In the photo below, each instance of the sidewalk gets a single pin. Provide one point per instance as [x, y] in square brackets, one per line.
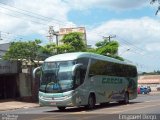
[154, 93]
[12, 104]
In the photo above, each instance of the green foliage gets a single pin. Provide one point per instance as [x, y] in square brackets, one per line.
[110, 48]
[72, 42]
[101, 43]
[23, 51]
[49, 49]
[107, 48]
[65, 48]
[75, 41]
[92, 50]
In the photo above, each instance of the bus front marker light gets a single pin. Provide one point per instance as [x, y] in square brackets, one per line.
[41, 97]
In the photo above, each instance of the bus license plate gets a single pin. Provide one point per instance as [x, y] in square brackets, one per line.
[53, 103]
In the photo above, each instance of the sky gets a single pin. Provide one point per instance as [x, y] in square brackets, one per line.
[133, 22]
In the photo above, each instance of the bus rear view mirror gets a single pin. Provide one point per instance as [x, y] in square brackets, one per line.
[75, 67]
[35, 71]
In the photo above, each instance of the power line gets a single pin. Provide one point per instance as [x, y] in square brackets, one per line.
[31, 14]
[22, 13]
[22, 18]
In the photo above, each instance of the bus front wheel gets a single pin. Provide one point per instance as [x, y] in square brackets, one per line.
[91, 101]
[61, 108]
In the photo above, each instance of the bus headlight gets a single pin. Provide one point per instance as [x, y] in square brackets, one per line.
[74, 93]
[67, 96]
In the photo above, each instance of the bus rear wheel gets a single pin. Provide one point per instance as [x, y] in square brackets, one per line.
[61, 108]
[126, 99]
[91, 102]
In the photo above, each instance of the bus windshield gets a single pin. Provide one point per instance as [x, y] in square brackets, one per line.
[57, 76]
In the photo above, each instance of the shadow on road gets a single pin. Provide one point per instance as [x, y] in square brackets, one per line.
[97, 107]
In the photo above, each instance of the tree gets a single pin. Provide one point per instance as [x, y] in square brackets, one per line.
[75, 41]
[154, 1]
[102, 43]
[107, 48]
[65, 48]
[23, 51]
[49, 49]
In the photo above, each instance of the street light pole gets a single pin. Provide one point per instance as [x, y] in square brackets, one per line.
[54, 33]
[124, 51]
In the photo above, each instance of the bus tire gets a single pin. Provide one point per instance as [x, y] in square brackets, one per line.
[104, 104]
[126, 99]
[91, 102]
[61, 108]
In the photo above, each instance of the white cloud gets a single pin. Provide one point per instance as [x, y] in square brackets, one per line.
[12, 21]
[152, 47]
[141, 36]
[57, 10]
[109, 4]
[138, 31]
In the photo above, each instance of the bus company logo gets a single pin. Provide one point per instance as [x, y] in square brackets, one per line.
[111, 81]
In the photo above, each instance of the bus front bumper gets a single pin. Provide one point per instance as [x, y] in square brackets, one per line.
[60, 101]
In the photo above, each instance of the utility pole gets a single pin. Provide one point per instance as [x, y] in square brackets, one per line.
[109, 37]
[52, 33]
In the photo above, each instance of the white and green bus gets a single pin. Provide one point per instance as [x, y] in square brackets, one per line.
[85, 79]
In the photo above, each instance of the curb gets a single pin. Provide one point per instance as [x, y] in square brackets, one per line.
[14, 106]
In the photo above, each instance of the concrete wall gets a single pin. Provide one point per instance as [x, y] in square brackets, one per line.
[149, 80]
[24, 85]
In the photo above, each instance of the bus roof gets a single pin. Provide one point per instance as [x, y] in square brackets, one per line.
[76, 55]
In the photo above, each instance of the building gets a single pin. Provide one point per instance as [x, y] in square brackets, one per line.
[15, 82]
[8, 75]
[64, 31]
[3, 48]
[149, 80]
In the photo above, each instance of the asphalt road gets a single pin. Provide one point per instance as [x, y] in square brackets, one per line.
[145, 106]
